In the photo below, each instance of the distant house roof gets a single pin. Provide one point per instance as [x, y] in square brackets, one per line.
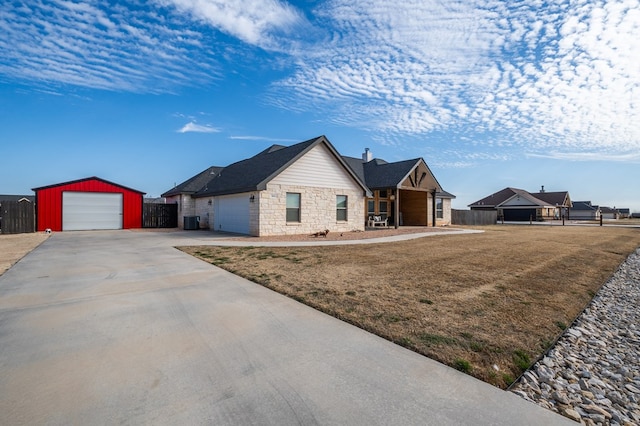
[196, 183]
[31, 198]
[583, 205]
[624, 211]
[495, 199]
[560, 198]
[542, 199]
[605, 209]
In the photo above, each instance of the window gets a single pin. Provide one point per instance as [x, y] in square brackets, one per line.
[382, 193]
[341, 207]
[293, 207]
[382, 208]
[439, 212]
[371, 207]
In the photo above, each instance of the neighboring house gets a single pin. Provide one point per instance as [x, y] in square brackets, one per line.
[306, 188]
[624, 213]
[584, 210]
[609, 213]
[514, 204]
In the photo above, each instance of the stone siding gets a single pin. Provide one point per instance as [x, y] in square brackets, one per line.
[186, 207]
[317, 211]
[204, 209]
[446, 213]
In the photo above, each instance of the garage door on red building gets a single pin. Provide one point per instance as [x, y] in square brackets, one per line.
[88, 204]
[84, 211]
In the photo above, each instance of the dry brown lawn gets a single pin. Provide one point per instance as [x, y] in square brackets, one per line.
[488, 304]
[14, 247]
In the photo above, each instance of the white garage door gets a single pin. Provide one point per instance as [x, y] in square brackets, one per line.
[231, 213]
[82, 211]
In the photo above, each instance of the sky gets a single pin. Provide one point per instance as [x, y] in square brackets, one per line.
[492, 94]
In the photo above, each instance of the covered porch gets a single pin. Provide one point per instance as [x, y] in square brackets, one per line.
[416, 200]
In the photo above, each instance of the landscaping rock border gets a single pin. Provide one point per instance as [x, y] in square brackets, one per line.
[592, 374]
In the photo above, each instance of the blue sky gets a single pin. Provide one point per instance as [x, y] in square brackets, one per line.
[490, 93]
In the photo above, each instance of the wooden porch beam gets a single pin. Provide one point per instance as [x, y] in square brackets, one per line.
[396, 209]
[433, 207]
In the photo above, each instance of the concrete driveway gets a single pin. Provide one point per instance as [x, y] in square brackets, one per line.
[121, 328]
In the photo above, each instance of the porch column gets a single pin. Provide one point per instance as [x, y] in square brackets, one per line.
[396, 209]
[433, 208]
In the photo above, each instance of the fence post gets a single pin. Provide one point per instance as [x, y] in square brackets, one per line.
[600, 219]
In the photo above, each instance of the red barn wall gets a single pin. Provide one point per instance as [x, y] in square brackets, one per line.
[49, 202]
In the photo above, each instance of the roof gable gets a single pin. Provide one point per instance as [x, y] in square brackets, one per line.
[496, 198]
[523, 198]
[254, 173]
[84, 180]
[420, 177]
[379, 174]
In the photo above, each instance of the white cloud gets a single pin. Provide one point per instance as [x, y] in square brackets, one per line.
[629, 157]
[100, 45]
[256, 22]
[542, 76]
[193, 127]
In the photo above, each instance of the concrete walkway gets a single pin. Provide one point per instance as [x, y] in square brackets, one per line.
[118, 327]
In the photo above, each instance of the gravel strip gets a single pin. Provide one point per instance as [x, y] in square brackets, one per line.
[592, 374]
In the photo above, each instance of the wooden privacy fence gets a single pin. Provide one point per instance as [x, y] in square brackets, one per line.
[473, 217]
[156, 215]
[17, 217]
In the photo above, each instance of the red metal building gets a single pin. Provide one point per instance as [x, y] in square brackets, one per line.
[87, 204]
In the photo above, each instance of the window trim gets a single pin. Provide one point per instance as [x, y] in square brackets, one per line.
[439, 211]
[289, 210]
[344, 209]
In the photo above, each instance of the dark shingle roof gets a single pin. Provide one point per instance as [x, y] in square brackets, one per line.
[356, 166]
[540, 198]
[583, 205]
[194, 184]
[553, 198]
[253, 173]
[498, 197]
[248, 175]
[380, 174]
[444, 194]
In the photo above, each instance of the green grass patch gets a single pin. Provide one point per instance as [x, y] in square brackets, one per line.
[521, 359]
[462, 365]
[436, 339]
